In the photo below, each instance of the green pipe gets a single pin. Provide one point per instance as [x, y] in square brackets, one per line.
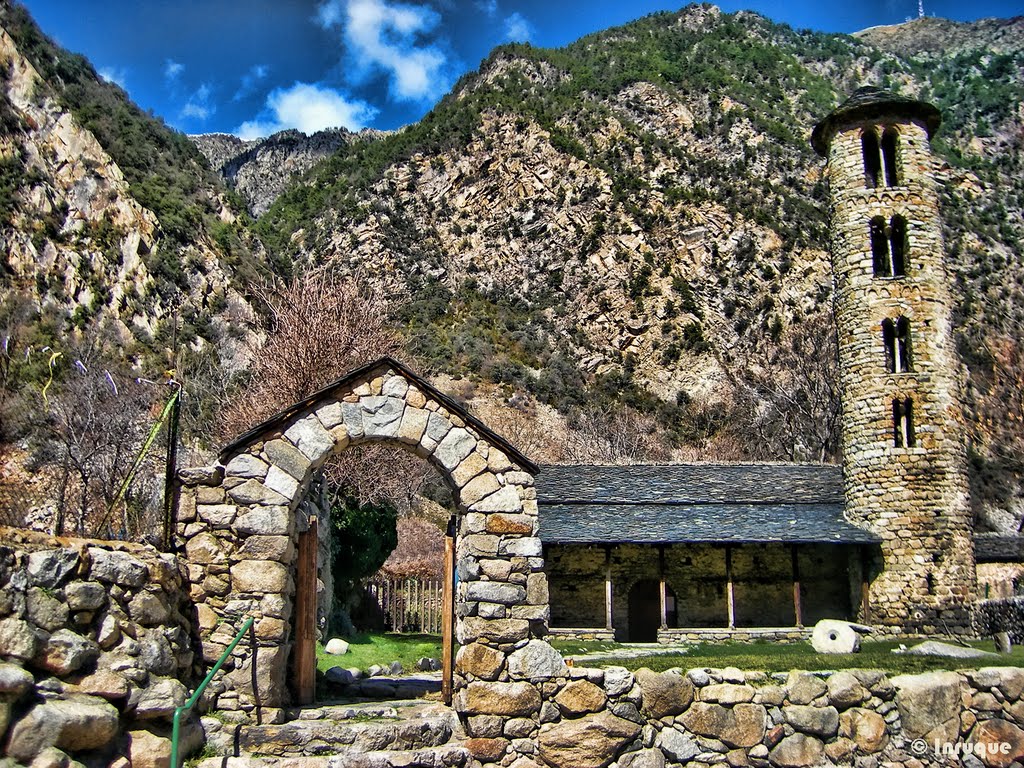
[176, 728]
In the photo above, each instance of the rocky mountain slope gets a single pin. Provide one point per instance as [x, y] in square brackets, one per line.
[942, 38]
[260, 170]
[112, 228]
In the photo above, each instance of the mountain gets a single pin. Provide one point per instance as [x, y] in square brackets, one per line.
[260, 170]
[113, 226]
[941, 38]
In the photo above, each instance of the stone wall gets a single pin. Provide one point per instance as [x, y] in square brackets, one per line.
[95, 646]
[592, 718]
[915, 498]
[1003, 615]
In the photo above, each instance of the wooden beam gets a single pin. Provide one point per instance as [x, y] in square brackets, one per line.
[305, 616]
[608, 589]
[730, 596]
[448, 614]
[661, 586]
[797, 608]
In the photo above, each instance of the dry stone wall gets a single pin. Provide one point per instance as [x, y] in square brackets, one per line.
[914, 497]
[594, 718]
[239, 523]
[95, 650]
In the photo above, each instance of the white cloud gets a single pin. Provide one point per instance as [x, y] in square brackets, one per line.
[388, 36]
[115, 76]
[309, 108]
[489, 7]
[250, 80]
[198, 105]
[517, 28]
[173, 69]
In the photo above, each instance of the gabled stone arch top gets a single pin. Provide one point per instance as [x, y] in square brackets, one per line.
[246, 519]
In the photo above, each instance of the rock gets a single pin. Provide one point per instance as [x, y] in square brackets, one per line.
[519, 727]
[494, 630]
[496, 592]
[147, 750]
[66, 652]
[840, 750]
[258, 547]
[338, 676]
[845, 690]
[1001, 743]
[117, 568]
[109, 633]
[264, 521]
[644, 758]
[149, 609]
[937, 648]
[579, 697]
[395, 668]
[929, 705]
[593, 741]
[797, 751]
[727, 693]
[667, 693]
[740, 726]
[246, 465]
[617, 680]
[832, 636]
[103, 683]
[157, 700]
[817, 721]
[480, 660]
[536, 660]
[14, 681]
[677, 746]
[424, 664]
[51, 757]
[155, 653]
[804, 687]
[375, 670]
[259, 576]
[487, 750]
[336, 647]
[18, 639]
[85, 595]
[865, 728]
[74, 723]
[485, 726]
[514, 699]
[48, 569]
[45, 610]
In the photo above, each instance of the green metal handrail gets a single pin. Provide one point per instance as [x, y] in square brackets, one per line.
[176, 729]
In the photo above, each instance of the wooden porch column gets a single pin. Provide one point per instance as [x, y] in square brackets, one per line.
[608, 588]
[661, 586]
[730, 597]
[448, 614]
[797, 608]
[865, 602]
[305, 616]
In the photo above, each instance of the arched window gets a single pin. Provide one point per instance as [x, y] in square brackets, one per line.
[880, 248]
[898, 242]
[896, 340]
[872, 158]
[903, 423]
[889, 140]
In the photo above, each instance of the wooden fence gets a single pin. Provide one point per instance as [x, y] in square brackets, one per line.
[408, 605]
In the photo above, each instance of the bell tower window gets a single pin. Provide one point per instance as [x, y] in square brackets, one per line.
[889, 142]
[896, 339]
[903, 423]
[872, 158]
[888, 246]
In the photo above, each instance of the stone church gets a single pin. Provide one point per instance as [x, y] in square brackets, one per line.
[659, 553]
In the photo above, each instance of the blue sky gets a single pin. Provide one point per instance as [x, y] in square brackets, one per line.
[251, 67]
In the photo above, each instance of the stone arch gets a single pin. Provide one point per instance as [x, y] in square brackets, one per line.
[239, 522]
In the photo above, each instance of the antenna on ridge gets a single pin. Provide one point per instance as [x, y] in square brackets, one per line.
[920, 9]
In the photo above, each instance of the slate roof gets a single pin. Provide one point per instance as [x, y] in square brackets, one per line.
[871, 103]
[796, 503]
[997, 548]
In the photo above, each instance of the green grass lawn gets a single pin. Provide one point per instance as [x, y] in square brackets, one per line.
[778, 657]
[367, 649]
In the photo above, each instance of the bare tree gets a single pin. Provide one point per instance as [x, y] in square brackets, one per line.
[614, 435]
[320, 326]
[789, 394]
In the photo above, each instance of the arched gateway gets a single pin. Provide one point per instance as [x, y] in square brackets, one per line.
[238, 524]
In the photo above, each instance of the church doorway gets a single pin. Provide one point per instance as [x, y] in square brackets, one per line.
[645, 616]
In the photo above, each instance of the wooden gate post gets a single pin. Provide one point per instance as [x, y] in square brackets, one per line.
[448, 614]
[305, 616]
